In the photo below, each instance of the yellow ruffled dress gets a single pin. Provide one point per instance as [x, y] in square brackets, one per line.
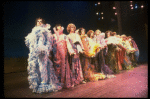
[90, 49]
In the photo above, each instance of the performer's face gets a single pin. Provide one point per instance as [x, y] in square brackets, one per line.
[123, 38]
[72, 29]
[97, 32]
[108, 34]
[59, 28]
[82, 32]
[39, 22]
[92, 34]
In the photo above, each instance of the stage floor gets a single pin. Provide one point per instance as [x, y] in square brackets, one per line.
[128, 83]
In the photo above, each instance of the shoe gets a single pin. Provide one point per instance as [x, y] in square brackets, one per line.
[111, 76]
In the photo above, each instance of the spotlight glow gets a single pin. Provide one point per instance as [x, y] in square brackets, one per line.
[135, 7]
[114, 7]
[99, 3]
[142, 6]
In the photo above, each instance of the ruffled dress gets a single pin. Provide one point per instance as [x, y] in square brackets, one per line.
[128, 51]
[89, 70]
[74, 61]
[41, 74]
[61, 48]
[110, 58]
[102, 67]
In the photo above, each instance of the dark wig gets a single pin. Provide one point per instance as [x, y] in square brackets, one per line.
[80, 29]
[43, 21]
[57, 26]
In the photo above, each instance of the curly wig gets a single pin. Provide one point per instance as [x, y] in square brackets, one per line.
[69, 27]
[89, 33]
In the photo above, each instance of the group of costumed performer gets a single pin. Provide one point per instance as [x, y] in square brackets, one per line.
[57, 61]
[122, 52]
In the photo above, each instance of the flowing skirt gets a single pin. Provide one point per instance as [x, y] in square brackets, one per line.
[89, 70]
[41, 73]
[75, 66]
[111, 58]
[61, 64]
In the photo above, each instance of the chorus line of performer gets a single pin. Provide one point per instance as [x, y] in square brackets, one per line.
[57, 60]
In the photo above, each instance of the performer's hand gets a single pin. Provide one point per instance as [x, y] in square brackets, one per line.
[54, 29]
[48, 26]
[62, 28]
[72, 54]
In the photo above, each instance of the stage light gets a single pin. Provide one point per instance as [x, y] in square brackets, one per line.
[101, 12]
[95, 4]
[97, 13]
[131, 1]
[142, 6]
[136, 6]
[115, 13]
[99, 3]
[102, 17]
[98, 18]
[114, 7]
[131, 7]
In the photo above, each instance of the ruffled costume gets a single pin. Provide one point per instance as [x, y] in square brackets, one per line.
[74, 60]
[129, 50]
[61, 47]
[89, 71]
[110, 58]
[102, 67]
[41, 74]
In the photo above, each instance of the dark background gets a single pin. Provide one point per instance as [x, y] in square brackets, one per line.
[19, 19]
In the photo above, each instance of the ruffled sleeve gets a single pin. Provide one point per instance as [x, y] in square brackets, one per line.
[69, 47]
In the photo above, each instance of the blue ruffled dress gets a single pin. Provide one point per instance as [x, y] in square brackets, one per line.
[41, 74]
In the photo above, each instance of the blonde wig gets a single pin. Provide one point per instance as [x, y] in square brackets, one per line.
[69, 27]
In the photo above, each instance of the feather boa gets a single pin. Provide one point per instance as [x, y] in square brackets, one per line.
[39, 43]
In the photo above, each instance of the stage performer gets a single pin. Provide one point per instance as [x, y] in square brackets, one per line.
[41, 74]
[102, 67]
[61, 47]
[89, 72]
[74, 60]
[128, 49]
[136, 52]
[111, 60]
[94, 48]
